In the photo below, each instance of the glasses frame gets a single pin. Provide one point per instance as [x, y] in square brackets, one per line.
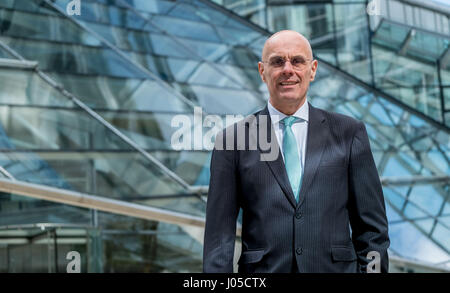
[290, 61]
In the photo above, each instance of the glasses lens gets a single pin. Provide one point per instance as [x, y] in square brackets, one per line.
[297, 62]
[277, 62]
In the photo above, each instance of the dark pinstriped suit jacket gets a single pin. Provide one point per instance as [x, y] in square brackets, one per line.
[340, 188]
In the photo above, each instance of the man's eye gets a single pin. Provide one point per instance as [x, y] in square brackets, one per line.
[278, 62]
[298, 61]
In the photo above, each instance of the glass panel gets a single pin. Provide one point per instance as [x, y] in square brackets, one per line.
[189, 48]
[408, 242]
[114, 244]
[36, 91]
[121, 94]
[187, 69]
[397, 11]
[445, 72]
[192, 166]
[76, 152]
[44, 27]
[218, 101]
[188, 11]
[395, 200]
[441, 234]
[29, 6]
[218, 18]
[390, 35]
[89, 59]
[151, 6]
[316, 23]
[191, 29]
[353, 33]
[427, 197]
[5, 54]
[64, 58]
[427, 45]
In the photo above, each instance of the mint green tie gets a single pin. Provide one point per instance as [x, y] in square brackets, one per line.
[291, 158]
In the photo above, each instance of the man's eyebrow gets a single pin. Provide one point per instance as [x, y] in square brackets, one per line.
[296, 56]
[276, 56]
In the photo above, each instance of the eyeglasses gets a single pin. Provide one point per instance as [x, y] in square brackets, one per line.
[297, 62]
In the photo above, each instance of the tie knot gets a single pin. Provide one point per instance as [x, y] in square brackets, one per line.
[289, 120]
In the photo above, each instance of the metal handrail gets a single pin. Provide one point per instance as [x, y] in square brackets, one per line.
[84, 200]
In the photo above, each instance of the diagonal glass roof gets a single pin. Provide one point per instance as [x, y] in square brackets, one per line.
[61, 46]
[111, 89]
[63, 146]
[189, 59]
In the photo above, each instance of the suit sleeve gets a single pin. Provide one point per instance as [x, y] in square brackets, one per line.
[222, 209]
[366, 203]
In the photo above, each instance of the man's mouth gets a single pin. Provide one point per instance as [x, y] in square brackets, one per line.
[287, 83]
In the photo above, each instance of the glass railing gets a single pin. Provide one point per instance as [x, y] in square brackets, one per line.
[36, 237]
[407, 65]
[426, 15]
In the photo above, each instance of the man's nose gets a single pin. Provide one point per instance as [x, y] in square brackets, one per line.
[287, 67]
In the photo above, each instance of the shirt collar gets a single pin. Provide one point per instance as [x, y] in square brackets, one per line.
[276, 116]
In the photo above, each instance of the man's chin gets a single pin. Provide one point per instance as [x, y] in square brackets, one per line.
[290, 99]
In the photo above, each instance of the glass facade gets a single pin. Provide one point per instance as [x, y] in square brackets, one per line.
[96, 116]
[399, 48]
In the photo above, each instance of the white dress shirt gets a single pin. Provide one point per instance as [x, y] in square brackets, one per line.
[299, 128]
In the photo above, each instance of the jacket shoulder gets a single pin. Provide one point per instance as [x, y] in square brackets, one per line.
[340, 120]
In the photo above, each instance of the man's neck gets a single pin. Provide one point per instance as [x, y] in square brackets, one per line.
[288, 109]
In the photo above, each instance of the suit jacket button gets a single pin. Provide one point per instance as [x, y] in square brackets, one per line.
[299, 250]
[298, 215]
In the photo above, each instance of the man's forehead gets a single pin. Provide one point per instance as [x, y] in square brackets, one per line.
[287, 54]
[286, 43]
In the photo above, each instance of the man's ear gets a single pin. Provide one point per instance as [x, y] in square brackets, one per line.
[261, 71]
[314, 64]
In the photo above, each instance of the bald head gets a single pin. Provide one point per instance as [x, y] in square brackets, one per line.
[284, 37]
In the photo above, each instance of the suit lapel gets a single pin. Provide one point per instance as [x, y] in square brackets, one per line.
[276, 166]
[315, 144]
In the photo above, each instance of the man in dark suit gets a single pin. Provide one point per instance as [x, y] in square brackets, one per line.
[317, 204]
